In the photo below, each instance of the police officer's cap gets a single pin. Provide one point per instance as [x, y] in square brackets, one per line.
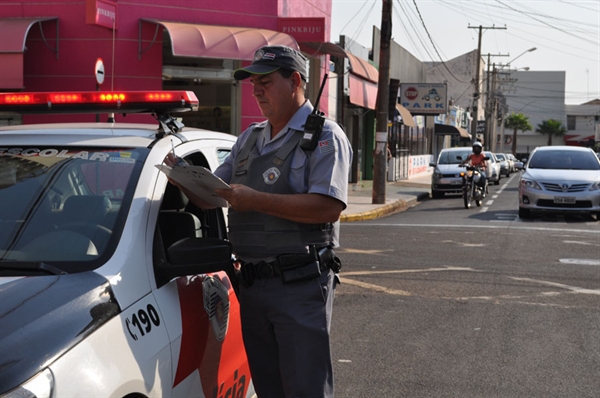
[268, 59]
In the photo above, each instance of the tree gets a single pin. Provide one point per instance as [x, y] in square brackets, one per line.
[517, 121]
[551, 127]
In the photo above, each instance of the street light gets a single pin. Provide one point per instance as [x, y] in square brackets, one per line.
[491, 130]
[520, 55]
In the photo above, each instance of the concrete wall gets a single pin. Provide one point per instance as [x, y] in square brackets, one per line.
[460, 86]
[403, 65]
[539, 96]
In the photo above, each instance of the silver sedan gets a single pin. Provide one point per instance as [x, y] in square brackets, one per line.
[560, 179]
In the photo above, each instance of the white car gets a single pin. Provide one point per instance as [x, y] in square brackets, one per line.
[492, 171]
[111, 283]
[560, 179]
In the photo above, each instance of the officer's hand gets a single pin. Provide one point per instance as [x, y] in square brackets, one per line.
[170, 160]
[240, 197]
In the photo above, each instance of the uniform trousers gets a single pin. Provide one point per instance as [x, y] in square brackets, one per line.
[286, 334]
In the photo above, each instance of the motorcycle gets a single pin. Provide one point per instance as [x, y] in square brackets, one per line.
[471, 189]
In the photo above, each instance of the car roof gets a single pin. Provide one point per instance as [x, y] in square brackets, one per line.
[462, 148]
[95, 134]
[562, 148]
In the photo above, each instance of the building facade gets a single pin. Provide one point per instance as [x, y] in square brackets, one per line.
[583, 124]
[539, 95]
[157, 45]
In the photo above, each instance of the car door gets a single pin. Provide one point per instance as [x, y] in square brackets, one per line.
[201, 312]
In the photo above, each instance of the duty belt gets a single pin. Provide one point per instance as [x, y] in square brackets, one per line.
[262, 269]
[291, 267]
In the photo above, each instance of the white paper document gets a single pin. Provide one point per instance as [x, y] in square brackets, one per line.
[199, 180]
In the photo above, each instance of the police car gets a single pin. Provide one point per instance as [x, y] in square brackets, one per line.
[111, 282]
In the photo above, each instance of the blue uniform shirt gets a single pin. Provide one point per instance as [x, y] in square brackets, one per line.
[325, 171]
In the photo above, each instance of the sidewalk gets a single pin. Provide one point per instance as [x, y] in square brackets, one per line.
[399, 196]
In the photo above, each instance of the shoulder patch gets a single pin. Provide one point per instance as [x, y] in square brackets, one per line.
[326, 146]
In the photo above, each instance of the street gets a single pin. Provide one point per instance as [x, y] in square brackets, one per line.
[441, 301]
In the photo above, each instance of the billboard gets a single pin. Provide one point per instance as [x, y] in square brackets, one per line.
[424, 98]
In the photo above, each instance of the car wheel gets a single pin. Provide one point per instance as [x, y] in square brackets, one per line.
[524, 213]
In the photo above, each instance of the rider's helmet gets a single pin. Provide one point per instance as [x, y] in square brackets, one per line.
[477, 147]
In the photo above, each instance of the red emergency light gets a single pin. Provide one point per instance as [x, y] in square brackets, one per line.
[95, 101]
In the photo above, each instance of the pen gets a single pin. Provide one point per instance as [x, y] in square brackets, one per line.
[178, 161]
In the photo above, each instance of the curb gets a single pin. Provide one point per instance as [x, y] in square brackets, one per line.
[383, 211]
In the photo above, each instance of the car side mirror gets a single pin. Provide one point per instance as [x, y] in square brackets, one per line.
[432, 164]
[519, 165]
[191, 256]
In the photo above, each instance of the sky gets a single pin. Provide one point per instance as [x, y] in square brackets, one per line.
[565, 33]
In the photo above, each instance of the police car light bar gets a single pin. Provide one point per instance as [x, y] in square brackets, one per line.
[96, 102]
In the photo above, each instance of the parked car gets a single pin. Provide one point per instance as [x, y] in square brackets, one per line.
[504, 165]
[560, 179]
[493, 170]
[112, 283]
[446, 177]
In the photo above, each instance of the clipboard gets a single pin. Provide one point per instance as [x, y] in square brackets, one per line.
[198, 179]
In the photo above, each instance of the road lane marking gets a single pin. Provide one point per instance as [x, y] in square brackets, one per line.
[579, 261]
[358, 251]
[377, 288]
[574, 289]
[429, 226]
[409, 271]
[579, 243]
[382, 289]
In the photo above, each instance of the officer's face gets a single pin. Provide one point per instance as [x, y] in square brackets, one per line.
[273, 93]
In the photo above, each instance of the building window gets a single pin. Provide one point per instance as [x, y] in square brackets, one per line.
[570, 122]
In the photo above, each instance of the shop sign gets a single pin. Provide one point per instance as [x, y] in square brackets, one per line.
[424, 99]
[102, 13]
[304, 30]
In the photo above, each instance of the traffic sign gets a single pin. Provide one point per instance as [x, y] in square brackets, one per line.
[99, 71]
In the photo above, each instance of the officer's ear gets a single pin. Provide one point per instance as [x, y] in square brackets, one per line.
[296, 79]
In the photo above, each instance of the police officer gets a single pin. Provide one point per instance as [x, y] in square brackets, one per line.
[285, 205]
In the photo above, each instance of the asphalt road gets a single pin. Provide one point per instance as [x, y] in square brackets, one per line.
[441, 301]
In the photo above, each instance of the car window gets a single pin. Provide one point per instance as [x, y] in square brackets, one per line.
[563, 160]
[65, 204]
[500, 156]
[491, 156]
[453, 157]
[222, 154]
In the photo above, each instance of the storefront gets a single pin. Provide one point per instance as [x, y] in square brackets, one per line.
[159, 45]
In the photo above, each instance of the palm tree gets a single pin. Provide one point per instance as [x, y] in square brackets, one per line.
[552, 127]
[517, 121]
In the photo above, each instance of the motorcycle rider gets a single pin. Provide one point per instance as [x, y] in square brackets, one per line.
[477, 158]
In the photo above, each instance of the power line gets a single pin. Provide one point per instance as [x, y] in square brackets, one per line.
[433, 44]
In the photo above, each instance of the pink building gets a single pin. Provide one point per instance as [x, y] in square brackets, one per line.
[157, 45]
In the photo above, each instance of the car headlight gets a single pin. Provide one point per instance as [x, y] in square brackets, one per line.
[437, 174]
[530, 184]
[40, 386]
[595, 186]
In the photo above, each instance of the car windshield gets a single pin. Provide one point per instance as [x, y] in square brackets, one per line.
[564, 160]
[491, 156]
[453, 157]
[500, 156]
[63, 204]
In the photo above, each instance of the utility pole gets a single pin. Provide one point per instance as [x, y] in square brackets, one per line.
[477, 83]
[490, 99]
[383, 95]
